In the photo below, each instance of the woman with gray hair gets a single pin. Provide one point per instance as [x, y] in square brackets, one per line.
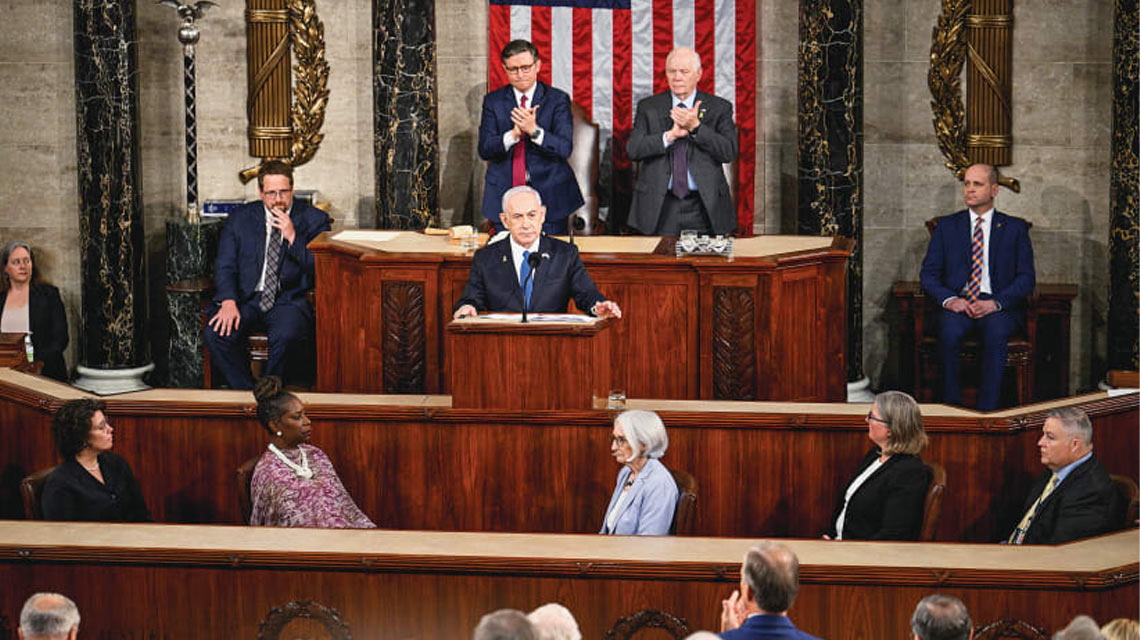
[645, 496]
[34, 308]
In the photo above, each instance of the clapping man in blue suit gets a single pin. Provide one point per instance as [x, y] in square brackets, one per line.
[769, 582]
[262, 274]
[526, 135]
[979, 266]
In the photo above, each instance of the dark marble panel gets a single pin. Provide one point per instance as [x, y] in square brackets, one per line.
[190, 252]
[830, 171]
[109, 164]
[406, 138]
[185, 352]
[1124, 233]
[191, 249]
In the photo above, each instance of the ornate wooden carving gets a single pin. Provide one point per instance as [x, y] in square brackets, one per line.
[279, 617]
[625, 628]
[403, 342]
[734, 340]
[1008, 629]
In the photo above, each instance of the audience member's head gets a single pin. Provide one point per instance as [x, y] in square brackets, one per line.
[273, 401]
[1066, 437]
[905, 432]
[939, 617]
[1081, 628]
[644, 431]
[49, 616]
[770, 577]
[1121, 629]
[18, 264]
[505, 624]
[702, 635]
[71, 427]
[553, 621]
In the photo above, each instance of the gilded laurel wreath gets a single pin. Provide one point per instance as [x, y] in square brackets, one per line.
[311, 80]
[947, 56]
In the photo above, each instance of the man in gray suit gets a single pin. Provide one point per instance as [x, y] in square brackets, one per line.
[682, 137]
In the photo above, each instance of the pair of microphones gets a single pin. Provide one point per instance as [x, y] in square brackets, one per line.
[533, 260]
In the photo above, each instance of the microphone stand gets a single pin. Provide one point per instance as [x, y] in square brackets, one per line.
[533, 261]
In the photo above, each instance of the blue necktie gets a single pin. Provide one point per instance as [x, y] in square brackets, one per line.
[524, 270]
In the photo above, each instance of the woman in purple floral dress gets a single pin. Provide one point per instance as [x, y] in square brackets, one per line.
[294, 483]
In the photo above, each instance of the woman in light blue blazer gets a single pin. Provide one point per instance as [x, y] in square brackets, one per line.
[645, 496]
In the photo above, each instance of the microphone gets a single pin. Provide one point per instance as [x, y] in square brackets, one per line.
[576, 224]
[533, 260]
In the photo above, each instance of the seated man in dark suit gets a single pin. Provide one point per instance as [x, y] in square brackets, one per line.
[261, 284]
[979, 267]
[526, 135]
[499, 269]
[769, 581]
[1075, 498]
[682, 137]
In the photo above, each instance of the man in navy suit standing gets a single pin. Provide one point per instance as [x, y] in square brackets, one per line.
[979, 266]
[262, 273]
[769, 582]
[500, 269]
[526, 135]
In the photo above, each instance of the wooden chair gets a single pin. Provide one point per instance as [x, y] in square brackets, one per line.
[932, 508]
[1019, 359]
[627, 627]
[684, 516]
[244, 478]
[1009, 629]
[272, 627]
[31, 488]
[1129, 501]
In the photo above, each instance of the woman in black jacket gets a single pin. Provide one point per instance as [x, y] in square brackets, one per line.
[884, 499]
[30, 306]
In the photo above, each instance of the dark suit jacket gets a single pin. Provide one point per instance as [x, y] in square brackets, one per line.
[241, 252]
[888, 506]
[546, 164]
[767, 627]
[48, 324]
[712, 144]
[946, 268]
[72, 494]
[1082, 505]
[493, 284]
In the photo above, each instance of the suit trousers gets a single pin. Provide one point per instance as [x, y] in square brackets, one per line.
[683, 214]
[995, 331]
[288, 326]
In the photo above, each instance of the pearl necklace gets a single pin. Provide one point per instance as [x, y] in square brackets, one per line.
[302, 470]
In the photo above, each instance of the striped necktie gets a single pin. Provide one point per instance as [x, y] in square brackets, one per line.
[272, 271]
[1019, 533]
[977, 250]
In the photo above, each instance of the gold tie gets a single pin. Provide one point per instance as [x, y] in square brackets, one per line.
[1019, 533]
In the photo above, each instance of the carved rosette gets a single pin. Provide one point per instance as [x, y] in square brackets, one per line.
[629, 626]
[278, 618]
[734, 340]
[404, 340]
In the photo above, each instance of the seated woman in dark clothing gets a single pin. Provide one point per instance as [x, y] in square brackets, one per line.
[31, 307]
[885, 497]
[91, 483]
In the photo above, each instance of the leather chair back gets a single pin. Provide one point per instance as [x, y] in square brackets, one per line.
[932, 508]
[685, 515]
[244, 478]
[32, 488]
[1128, 501]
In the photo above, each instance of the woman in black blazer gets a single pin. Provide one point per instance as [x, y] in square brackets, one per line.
[884, 499]
[32, 307]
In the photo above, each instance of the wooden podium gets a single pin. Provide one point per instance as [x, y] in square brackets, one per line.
[501, 363]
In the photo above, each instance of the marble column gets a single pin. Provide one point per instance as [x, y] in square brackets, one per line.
[190, 251]
[1124, 233]
[406, 138]
[830, 173]
[113, 342]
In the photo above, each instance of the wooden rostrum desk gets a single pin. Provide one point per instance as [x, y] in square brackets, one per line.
[179, 581]
[769, 324]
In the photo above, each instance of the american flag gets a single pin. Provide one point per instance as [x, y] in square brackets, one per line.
[609, 54]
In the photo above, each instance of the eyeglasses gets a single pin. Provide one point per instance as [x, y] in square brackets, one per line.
[521, 69]
[870, 416]
[618, 440]
[277, 194]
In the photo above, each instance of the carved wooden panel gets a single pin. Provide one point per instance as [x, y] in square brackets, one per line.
[403, 341]
[1007, 629]
[274, 624]
[627, 627]
[734, 353]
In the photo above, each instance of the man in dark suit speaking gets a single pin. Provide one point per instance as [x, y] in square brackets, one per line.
[262, 273]
[526, 134]
[979, 267]
[682, 137]
[500, 270]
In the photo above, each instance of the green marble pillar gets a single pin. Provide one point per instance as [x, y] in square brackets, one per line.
[1124, 235]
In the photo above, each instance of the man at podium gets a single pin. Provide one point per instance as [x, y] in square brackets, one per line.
[529, 268]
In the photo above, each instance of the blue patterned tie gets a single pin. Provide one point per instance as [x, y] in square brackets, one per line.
[524, 270]
[272, 271]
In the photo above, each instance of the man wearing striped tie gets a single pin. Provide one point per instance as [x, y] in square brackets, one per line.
[979, 266]
[1075, 497]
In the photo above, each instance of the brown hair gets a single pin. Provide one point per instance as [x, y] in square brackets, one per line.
[905, 433]
[274, 168]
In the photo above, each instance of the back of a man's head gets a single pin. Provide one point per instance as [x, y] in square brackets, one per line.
[772, 573]
[553, 621]
[939, 617]
[504, 624]
[49, 616]
[1081, 628]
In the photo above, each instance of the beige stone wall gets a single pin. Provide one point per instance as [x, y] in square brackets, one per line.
[1061, 130]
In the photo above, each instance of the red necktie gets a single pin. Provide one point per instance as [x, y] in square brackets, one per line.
[518, 163]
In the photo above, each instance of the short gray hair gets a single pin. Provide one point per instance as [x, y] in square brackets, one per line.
[645, 432]
[772, 571]
[504, 624]
[553, 621]
[514, 191]
[939, 617]
[685, 50]
[48, 615]
[702, 635]
[1075, 422]
[1081, 628]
